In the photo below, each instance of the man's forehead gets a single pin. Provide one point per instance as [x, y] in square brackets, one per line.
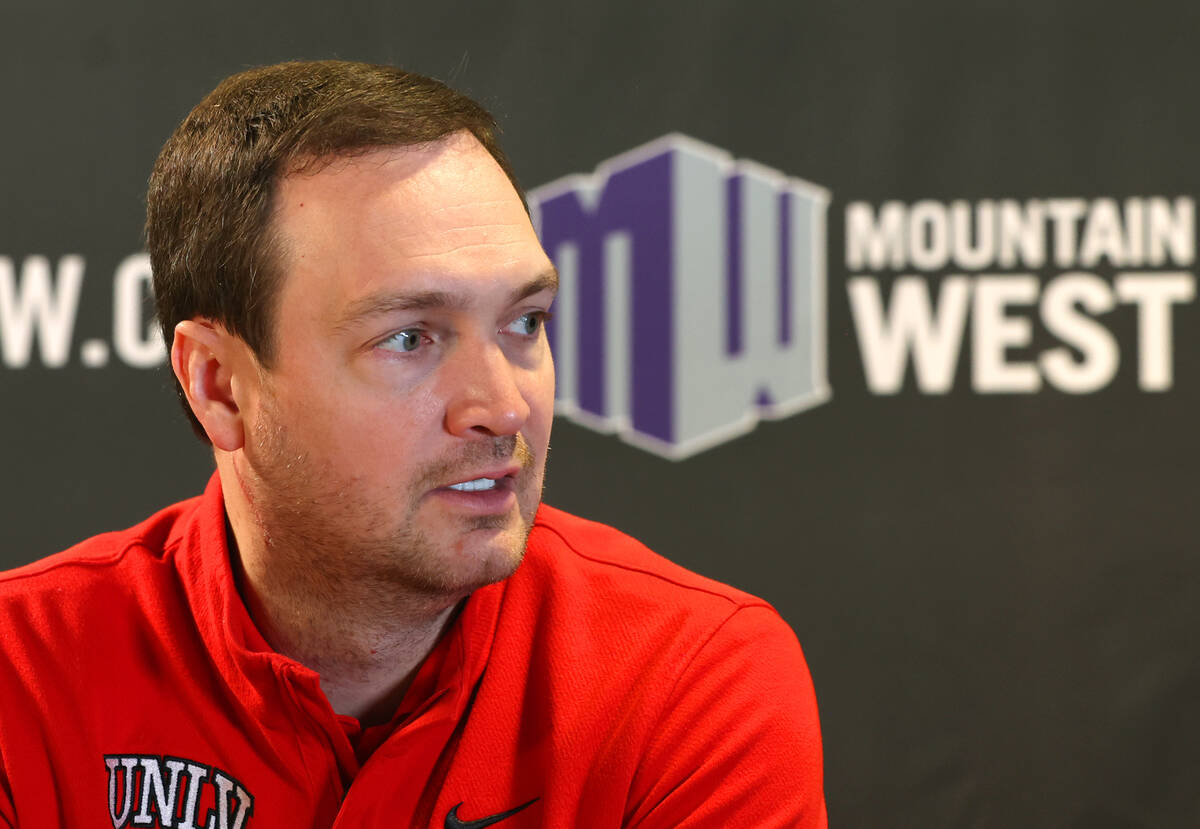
[450, 187]
[395, 219]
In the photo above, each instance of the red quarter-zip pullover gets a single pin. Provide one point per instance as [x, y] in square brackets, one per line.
[599, 686]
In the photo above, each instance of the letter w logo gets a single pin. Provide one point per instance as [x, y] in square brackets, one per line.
[692, 297]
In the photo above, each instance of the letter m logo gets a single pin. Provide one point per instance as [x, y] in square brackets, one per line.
[692, 297]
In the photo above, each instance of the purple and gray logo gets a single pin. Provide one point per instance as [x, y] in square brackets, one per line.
[692, 297]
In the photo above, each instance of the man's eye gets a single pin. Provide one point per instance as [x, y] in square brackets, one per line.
[408, 340]
[528, 324]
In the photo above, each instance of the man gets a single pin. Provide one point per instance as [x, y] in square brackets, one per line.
[367, 619]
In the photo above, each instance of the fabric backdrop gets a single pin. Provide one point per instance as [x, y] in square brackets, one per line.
[885, 312]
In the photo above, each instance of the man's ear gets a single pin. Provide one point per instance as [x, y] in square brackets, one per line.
[206, 358]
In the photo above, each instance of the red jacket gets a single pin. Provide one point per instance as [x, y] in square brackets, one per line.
[599, 686]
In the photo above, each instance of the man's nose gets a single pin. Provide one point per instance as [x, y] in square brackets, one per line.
[484, 393]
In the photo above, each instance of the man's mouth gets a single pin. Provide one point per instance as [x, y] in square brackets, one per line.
[487, 480]
[477, 485]
[483, 489]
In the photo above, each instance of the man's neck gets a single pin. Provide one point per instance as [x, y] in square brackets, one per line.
[365, 655]
[366, 641]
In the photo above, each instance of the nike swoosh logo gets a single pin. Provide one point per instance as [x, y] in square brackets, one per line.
[453, 821]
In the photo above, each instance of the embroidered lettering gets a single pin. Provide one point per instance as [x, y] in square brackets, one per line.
[172, 792]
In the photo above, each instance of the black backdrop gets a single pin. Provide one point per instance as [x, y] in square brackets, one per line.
[995, 591]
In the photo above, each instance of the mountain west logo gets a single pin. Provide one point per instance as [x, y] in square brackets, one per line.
[147, 790]
[692, 295]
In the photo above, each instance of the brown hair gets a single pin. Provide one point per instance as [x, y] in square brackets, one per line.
[209, 206]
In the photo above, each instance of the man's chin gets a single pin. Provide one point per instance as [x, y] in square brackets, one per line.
[500, 550]
[484, 550]
[489, 522]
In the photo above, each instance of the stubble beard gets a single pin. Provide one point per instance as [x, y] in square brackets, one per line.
[333, 540]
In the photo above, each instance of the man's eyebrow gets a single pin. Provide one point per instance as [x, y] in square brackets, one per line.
[382, 304]
[378, 305]
[547, 281]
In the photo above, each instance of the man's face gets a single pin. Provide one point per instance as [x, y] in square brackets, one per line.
[400, 434]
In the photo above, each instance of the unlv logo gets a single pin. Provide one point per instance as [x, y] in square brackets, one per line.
[148, 790]
[692, 295]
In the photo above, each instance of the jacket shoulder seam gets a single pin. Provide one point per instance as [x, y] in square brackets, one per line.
[738, 602]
